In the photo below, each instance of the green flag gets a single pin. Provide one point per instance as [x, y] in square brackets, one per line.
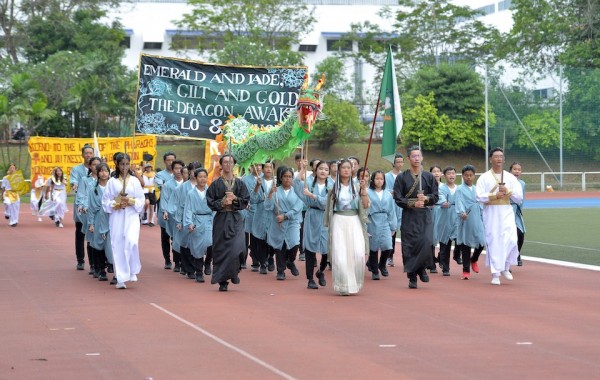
[392, 118]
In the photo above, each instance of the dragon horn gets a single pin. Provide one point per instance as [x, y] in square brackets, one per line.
[305, 85]
[320, 83]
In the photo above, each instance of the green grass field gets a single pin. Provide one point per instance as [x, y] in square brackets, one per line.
[563, 234]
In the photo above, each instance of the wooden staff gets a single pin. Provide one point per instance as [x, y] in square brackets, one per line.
[503, 147]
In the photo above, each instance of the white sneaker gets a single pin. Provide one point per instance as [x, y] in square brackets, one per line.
[39, 219]
[60, 225]
[133, 278]
[507, 275]
[121, 285]
[495, 281]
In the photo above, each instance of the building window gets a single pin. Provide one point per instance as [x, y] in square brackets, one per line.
[487, 9]
[367, 46]
[179, 42]
[543, 93]
[153, 45]
[126, 42]
[308, 48]
[504, 5]
[339, 45]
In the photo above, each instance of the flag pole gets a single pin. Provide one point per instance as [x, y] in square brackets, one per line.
[371, 136]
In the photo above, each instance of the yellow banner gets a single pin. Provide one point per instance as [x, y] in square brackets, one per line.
[17, 183]
[49, 152]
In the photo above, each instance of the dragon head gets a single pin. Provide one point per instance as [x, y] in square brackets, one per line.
[309, 104]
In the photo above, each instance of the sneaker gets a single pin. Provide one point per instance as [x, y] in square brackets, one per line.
[80, 266]
[190, 276]
[280, 276]
[133, 278]
[57, 223]
[312, 285]
[102, 277]
[254, 268]
[271, 267]
[292, 266]
[519, 262]
[475, 266]
[384, 271]
[150, 224]
[495, 281]
[423, 275]
[262, 269]
[199, 277]
[168, 265]
[412, 283]
[39, 219]
[375, 276]
[390, 262]
[113, 281]
[433, 270]
[507, 275]
[177, 268]
[60, 225]
[446, 273]
[321, 277]
[302, 256]
[121, 285]
[465, 276]
[207, 270]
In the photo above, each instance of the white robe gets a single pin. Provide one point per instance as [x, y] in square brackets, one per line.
[124, 227]
[499, 221]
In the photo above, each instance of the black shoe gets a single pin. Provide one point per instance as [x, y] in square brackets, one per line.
[8, 217]
[223, 286]
[271, 267]
[433, 270]
[384, 271]
[262, 269]
[207, 270]
[190, 276]
[102, 277]
[280, 276]
[80, 266]
[374, 276]
[96, 274]
[177, 268]
[168, 265]
[412, 283]
[113, 281]
[321, 277]
[235, 280]
[458, 260]
[302, 256]
[292, 268]
[199, 277]
[444, 273]
[312, 285]
[243, 266]
[423, 275]
[109, 268]
[254, 268]
[91, 272]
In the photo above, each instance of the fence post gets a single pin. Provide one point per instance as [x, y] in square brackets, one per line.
[583, 182]
[542, 181]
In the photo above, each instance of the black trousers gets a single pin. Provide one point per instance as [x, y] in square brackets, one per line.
[445, 255]
[391, 254]
[467, 259]
[520, 240]
[285, 255]
[100, 261]
[165, 243]
[375, 264]
[79, 243]
[187, 260]
[260, 250]
[311, 259]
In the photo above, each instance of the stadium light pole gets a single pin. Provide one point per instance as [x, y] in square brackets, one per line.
[560, 122]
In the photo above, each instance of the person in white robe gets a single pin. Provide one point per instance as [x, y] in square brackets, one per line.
[124, 199]
[495, 189]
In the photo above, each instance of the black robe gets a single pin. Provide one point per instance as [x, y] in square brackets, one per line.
[229, 240]
[417, 223]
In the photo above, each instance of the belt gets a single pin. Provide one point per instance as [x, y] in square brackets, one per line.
[316, 208]
[346, 212]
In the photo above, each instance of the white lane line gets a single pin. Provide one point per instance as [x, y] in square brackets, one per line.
[563, 246]
[226, 344]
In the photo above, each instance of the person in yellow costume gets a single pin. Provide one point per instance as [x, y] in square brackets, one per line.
[149, 193]
[10, 195]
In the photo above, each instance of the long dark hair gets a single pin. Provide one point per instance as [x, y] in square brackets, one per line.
[372, 184]
[312, 188]
[90, 164]
[102, 165]
[338, 184]
[120, 157]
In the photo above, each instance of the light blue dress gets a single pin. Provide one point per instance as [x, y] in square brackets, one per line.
[469, 232]
[180, 236]
[250, 182]
[447, 222]
[167, 195]
[78, 173]
[288, 231]
[389, 185]
[96, 216]
[518, 208]
[161, 178]
[382, 220]
[197, 212]
[261, 219]
[315, 236]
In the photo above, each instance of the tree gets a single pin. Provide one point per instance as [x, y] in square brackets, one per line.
[544, 130]
[249, 32]
[547, 33]
[342, 123]
[427, 32]
[336, 82]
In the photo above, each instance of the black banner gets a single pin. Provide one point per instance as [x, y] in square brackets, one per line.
[192, 99]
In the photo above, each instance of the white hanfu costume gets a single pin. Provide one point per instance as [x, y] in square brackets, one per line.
[124, 226]
[499, 219]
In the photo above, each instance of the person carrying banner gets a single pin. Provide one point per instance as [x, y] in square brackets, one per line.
[160, 179]
[227, 196]
[77, 174]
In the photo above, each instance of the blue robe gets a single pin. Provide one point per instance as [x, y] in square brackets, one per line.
[389, 185]
[180, 236]
[288, 231]
[96, 216]
[81, 200]
[518, 209]
[160, 179]
[447, 222]
[470, 232]
[261, 219]
[78, 173]
[250, 181]
[167, 196]
[315, 236]
[196, 212]
[382, 221]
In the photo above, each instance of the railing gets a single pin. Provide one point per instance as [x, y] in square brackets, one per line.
[575, 181]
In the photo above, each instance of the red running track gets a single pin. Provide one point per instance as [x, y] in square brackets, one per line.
[59, 323]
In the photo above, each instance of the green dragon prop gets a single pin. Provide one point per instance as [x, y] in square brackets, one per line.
[252, 144]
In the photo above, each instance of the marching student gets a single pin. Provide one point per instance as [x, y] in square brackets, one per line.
[283, 235]
[37, 195]
[77, 174]
[12, 201]
[390, 178]
[250, 180]
[98, 225]
[124, 199]
[160, 179]
[81, 206]
[470, 233]
[515, 169]
[346, 216]
[198, 222]
[149, 176]
[180, 233]
[436, 171]
[447, 219]
[382, 224]
[168, 207]
[316, 235]
[261, 219]
[56, 195]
